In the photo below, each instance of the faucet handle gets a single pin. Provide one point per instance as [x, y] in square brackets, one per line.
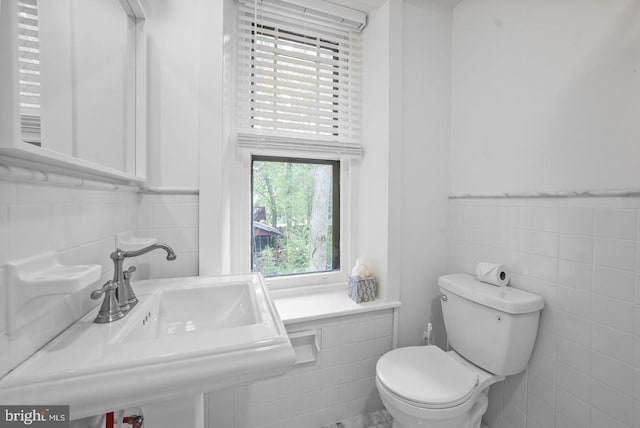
[109, 311]
[108, 286]
[127, 273]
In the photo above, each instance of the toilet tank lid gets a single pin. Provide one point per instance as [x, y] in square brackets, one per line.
[505, 299]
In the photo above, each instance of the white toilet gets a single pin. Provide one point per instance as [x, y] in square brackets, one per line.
[492, 331]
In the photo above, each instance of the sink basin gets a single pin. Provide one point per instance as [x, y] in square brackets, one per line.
[186, 336]
[195, 310]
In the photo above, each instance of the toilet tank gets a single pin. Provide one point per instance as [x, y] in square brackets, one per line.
[493, 327]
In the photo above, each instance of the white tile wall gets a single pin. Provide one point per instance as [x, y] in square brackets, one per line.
[172, 219]
[81, 226]
[339, 385]
[583, 257]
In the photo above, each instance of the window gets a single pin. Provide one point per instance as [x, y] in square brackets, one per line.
[29, 70]
[295, 215]
[298, 120]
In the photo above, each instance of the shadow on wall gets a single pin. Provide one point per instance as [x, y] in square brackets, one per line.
[438, 334]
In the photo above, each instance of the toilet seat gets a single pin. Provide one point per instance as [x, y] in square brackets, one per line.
[426, 377]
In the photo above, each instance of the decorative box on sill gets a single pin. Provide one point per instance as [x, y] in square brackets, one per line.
[362, 289]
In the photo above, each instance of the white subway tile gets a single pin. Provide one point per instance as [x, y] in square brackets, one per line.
[367, 330]
[190, 239]
[312, 380]
[519, 218]
[616, 283]
[269, 390]
[613, 403]
[495, 237]
[544, 244]
[612, 373]
[613, 343]
[575, 275]
[5, 360]
[543, 365]
[8, 193]
[615, 253]
[515, 391]
[615, 223]
[545, 219]
[269, 412]
[545, 268]
[367, 368]
[145, 213]
[384, 326]
[574, 301]
[578, 248]
[539, 411]
[571, 410]
[383, 345]
[542, 389]
[163, 268]
[494, 409]
[175, 215]
[348, 333]
[549, 319]
[519, 240]
[497, 216]
[574, 328]
[574, 354]
[38, 194]
[515, 417]
[30, 230]
[348, 391]
[4, 232]
[189, 264]
[246, 395]
[172, 237]
[612, 313]
[576, 221]
[221, 401]
[600, 419]
[331, 396]
[330, 336]
[573, 381]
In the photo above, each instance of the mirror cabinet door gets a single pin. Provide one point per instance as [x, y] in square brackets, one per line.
[78, 64]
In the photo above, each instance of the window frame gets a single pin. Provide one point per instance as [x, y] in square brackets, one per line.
[336, 226]
[240, 255]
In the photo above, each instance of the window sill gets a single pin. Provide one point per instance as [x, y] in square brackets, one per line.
[315, 303]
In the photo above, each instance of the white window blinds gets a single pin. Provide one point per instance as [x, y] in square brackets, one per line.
[299, 80]
[29, 70]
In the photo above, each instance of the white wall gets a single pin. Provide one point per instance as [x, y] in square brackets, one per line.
[542, 92]
[426, 82]
[545, 96]
[371, 216]
[173, 93]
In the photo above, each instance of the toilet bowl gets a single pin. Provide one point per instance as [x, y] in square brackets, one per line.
[492, 331]
[423, 386]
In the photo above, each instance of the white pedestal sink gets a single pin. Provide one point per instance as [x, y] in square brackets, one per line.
[187, 336]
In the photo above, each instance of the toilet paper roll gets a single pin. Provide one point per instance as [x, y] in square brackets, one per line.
[492, 273]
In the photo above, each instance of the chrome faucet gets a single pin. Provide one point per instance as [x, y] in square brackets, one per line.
[119, 296]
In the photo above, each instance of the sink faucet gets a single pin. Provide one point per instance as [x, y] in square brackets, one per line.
[124, 293]
[119, 296]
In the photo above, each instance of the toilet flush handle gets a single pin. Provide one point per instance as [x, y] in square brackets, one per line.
[443, 297]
